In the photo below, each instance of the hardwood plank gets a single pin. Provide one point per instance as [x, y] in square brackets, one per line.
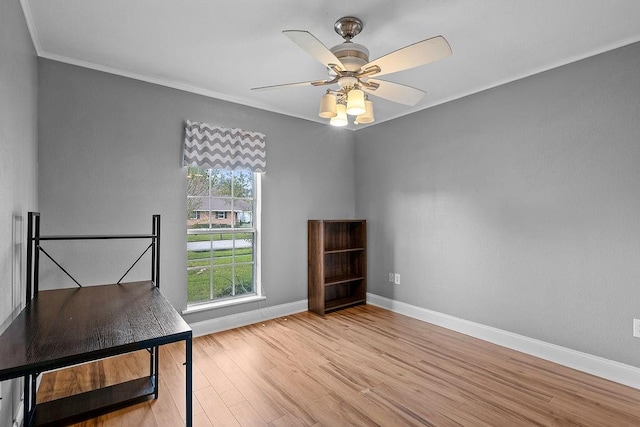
[253, 394]
[286, 421]
[173, 375]
[177, 353]
[357, 398]
[201, 420]
[165, 409]
[261, 378]
[333, 410]
[591, 412]
[172, 380]
[220, 382]
[246, 415]
[359, 366]
[216, 410]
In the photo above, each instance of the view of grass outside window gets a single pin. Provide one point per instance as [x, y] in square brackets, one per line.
[221, 234]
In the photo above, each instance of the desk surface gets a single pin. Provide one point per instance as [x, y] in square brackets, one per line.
[67, 326]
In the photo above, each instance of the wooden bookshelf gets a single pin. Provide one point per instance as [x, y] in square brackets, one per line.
[337, 274]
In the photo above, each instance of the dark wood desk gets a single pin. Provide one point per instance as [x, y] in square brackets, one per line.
[64, 327]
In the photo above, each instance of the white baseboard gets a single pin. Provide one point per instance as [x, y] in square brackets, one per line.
[247, 318]
[604, 368]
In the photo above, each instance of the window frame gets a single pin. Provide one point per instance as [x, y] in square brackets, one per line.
[212, 230]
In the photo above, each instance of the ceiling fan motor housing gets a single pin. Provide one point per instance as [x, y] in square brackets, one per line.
[352, 55]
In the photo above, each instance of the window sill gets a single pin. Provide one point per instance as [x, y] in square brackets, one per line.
[219, 304]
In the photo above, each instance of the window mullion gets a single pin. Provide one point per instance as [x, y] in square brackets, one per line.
[233, 236]
[211, 266]
[211, 271]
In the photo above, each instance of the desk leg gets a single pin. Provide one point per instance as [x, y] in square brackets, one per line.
[156, 370]
[189, 382]
[30, 389]
[28, 410]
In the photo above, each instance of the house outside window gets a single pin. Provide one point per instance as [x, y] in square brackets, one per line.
[222, 235]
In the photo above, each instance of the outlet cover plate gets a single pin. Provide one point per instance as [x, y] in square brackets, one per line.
[396, 279]
[636, 328]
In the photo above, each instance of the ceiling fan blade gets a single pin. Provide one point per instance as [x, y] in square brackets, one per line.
[402, 94]
[314, 47]
[420, 53]
[311, 83]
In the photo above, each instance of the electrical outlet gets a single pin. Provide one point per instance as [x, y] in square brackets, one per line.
[391, 277]
[636, 328]
[396, 279]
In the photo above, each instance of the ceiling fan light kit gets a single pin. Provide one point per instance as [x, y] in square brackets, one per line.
[349, 67]
[328, 106]
[355, 102]
[367, 116]
[333, 106]
[341, 117]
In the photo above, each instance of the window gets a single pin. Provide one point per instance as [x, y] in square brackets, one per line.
[222, 240]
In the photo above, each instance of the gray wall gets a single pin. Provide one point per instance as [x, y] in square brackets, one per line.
[110, 150]
[18, 168]
[518, 207]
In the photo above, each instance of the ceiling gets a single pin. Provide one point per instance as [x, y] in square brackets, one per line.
[223, 48]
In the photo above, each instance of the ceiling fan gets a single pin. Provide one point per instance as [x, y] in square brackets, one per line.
[349, 67]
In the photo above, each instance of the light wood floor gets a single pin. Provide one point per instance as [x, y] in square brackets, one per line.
[361, 366]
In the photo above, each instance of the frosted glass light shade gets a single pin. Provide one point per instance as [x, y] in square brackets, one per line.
[328, 106]
[367, 116]
[355, 102]
[341, 118]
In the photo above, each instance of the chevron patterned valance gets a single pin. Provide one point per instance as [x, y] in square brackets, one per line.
[215, 147]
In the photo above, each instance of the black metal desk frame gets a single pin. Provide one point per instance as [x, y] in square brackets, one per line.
[112, 397]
